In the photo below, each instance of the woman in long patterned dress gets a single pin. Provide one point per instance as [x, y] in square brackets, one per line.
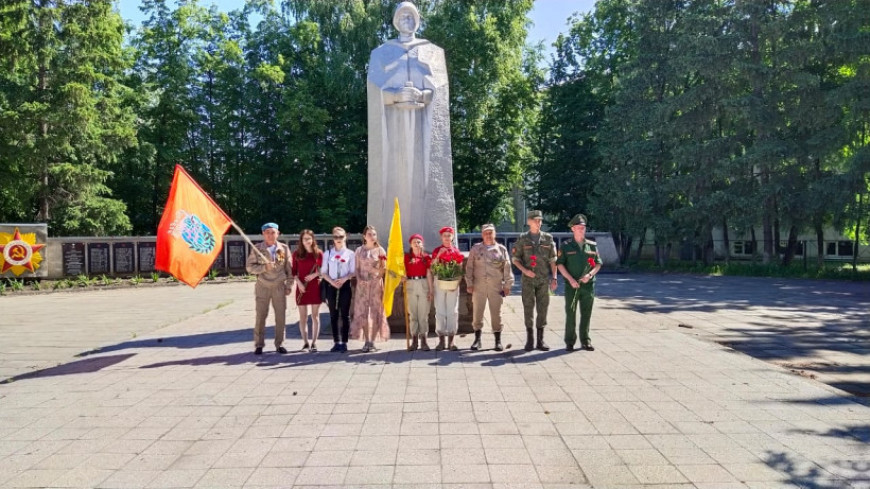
[307, 260]
[369, 321]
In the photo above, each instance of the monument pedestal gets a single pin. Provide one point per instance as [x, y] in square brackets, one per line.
[397, 319]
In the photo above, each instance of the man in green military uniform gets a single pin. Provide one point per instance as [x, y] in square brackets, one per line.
[535, 256]
[578, 262]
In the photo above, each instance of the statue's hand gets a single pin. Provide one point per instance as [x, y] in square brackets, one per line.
[410, 94]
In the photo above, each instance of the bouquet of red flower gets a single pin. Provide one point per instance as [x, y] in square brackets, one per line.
[533, 261]
[449, 265]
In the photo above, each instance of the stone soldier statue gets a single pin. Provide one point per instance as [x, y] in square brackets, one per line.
[409, 132]
[274, 284]
[489, 278]
[578, 262]
[534, 255]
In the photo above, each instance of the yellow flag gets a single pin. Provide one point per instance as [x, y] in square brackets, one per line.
[395, 260]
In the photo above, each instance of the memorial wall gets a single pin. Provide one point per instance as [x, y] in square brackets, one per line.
[127, 256]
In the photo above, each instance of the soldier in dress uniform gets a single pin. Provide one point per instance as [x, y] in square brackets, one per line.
[274, 271]
[489, 278]
[578, 262]
[534, 255]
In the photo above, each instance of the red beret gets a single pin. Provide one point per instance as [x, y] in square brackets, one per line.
[447, 229]
[415, 236]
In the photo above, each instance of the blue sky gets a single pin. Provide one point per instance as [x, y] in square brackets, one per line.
[549, 16]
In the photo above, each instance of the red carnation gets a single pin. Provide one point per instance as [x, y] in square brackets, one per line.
[591, 262]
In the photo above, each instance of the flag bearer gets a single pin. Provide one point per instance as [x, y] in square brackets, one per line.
[274, 284]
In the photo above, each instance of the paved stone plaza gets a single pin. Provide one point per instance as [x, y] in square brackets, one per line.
[696, 382]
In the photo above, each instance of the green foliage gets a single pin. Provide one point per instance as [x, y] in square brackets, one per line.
[136, 280]
[105, 280]
[64, 117]
[155, 277]
[36, 284]
[738, 115]
[212, 274]
[493, 100]
[83, 281]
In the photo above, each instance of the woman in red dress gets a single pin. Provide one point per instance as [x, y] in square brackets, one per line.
[307, 260]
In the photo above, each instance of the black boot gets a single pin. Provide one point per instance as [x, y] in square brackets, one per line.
[541, 345]
[476, 345]
[530, 339]
[498, 346]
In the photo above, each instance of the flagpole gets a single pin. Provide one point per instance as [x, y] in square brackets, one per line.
[407, 322]
[245, 236]
[262, 256]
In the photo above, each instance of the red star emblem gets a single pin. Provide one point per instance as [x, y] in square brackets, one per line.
[18, 252]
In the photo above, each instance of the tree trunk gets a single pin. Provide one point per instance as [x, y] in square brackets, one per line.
[42, 89]
[777, 238]
[754, 243]
[820, 245]
[788, 254]
[767, 231]
[857, 232]
[640, 244]
[725, 240]
[709, 248]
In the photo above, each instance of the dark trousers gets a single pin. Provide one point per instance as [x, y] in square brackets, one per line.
[338, 301]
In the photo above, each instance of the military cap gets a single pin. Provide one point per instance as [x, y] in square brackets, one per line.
[269, 225]
[487, 227]
[535, 215]
[578, 219]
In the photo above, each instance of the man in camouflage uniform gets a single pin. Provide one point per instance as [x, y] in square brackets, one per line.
[535, 256]
[578, 262]
[488, 279]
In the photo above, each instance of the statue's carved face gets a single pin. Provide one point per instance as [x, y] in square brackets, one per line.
[406, 21]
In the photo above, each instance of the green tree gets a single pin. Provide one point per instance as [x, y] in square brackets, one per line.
[64, 113]
[493, 101]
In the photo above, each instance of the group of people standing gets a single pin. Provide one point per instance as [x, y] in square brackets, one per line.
[321, 276]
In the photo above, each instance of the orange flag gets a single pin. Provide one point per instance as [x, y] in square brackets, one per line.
[191, 231]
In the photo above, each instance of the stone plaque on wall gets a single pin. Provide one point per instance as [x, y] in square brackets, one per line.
[73, 259]
[147, 254]
[236, 255]
[98, 258]
[124, 258]
[220, 262]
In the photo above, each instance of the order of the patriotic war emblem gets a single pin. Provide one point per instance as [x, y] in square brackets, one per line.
[190, 228]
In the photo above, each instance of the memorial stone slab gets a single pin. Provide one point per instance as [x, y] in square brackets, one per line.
[124, 258]
[73, 259]
[98, 258]
[220, 262]
[147, 254]
[236, 255]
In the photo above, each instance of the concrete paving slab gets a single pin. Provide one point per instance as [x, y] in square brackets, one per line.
[693, 384]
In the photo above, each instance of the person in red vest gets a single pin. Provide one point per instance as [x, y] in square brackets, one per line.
[418, 284]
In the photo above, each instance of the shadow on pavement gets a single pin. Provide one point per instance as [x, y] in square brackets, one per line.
[85, 366]
[806, 474]
[795, 320]
[489, 358]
